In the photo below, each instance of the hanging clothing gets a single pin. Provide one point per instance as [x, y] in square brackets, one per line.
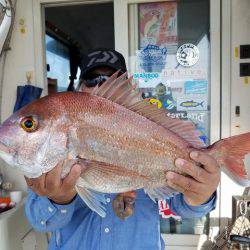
[26, 94]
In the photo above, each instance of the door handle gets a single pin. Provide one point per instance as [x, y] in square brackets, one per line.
[237, 110]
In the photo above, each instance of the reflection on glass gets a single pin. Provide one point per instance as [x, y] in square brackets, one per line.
[57, 59]
[185, 226]
[160, 32]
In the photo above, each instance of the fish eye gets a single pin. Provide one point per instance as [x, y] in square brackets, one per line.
[29, 124]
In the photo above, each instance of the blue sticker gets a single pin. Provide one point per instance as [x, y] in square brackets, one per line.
[169, 104]
[195, 87]
[146, 75]
[153, 58]
[202, 135]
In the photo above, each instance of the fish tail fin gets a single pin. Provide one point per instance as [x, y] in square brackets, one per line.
[230, 154]
[202, 104]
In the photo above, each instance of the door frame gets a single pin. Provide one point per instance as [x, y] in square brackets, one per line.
[38, 7]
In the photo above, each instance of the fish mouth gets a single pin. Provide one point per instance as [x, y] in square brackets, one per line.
[5, 149]
[10, 156]
[7, 154]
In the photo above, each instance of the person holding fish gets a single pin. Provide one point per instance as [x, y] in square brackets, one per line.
[91, 149]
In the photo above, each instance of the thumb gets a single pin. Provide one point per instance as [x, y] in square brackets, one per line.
[71, 179]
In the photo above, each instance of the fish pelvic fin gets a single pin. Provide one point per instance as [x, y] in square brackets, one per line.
[92, 199]
[230, 154]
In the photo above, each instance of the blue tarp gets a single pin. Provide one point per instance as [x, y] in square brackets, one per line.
[26, 94]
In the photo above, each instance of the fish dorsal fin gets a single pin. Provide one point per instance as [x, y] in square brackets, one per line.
[121, 91]
[185, 129]
[100, 90]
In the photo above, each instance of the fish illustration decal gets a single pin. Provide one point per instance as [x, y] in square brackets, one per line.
[153, 53]
[191, 104]
[124, 143]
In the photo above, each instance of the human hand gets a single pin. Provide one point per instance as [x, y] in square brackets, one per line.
[60, 191]
[202, 181]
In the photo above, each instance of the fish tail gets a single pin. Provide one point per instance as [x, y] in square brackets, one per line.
[202, 104]
[230, 154]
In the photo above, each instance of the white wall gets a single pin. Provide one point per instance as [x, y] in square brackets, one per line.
[20, 59]
[237, 29]
[240, 90]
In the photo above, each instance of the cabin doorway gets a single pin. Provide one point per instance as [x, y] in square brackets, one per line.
[72, 30]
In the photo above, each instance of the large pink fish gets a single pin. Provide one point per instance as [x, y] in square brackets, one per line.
[125, 144]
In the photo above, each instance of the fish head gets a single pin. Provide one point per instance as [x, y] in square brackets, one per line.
[34, 139]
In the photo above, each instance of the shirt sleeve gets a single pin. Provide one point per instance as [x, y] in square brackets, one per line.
[179, 206]
[46, 216]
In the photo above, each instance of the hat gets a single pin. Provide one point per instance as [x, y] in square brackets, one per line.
[103, 57]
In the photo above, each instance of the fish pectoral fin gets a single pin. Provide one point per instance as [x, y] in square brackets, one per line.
[160, 193]
[93, 200]
[107, 168]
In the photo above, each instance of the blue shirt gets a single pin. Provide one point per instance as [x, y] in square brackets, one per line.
[75, 226]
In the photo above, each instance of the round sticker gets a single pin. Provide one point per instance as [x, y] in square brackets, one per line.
[187, 55]
[156, 102]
